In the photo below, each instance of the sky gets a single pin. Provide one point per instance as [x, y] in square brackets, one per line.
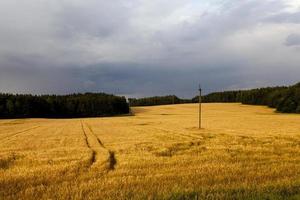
[141, 48]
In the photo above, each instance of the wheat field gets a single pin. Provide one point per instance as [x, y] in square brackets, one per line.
[243, 152]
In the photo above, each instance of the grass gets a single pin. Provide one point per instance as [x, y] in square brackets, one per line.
[243, 152]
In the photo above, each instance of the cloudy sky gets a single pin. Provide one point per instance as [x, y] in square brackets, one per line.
[143, 48]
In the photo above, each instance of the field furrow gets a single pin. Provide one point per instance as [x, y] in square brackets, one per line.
[100, 155]
[17, 133]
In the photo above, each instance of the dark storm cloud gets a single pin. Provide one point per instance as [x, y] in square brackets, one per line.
[124, 79]
[132, 80]
[142, 48]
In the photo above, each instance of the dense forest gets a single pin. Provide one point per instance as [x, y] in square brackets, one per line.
[284, 99]
[158, 100]
[63, 106]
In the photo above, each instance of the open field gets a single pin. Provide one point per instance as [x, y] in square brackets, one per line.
[244, 152]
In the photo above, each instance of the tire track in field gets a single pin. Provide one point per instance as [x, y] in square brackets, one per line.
[98, 140]
[98, 149]
[112, 161]
[18, 133]
[92, 159]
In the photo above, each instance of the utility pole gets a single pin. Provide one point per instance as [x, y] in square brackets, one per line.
[130, 111]
[200, 107]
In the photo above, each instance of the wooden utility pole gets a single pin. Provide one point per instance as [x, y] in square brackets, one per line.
[130, 111]
[200, 107]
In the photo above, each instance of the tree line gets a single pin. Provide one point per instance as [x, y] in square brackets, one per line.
[157, 100]
[284, 99]
[62, 106]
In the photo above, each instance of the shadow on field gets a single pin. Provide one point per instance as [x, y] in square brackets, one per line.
[112, 161]
[6, 162]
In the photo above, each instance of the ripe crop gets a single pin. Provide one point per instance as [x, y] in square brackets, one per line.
[244, 152]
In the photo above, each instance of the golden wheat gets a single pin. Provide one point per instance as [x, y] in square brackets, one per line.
[243, 152]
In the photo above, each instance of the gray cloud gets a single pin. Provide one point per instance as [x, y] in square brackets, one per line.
[130, 80]
[93, 18]
[142, 48]
[293, 40]
[134, 80]
[285, 17]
